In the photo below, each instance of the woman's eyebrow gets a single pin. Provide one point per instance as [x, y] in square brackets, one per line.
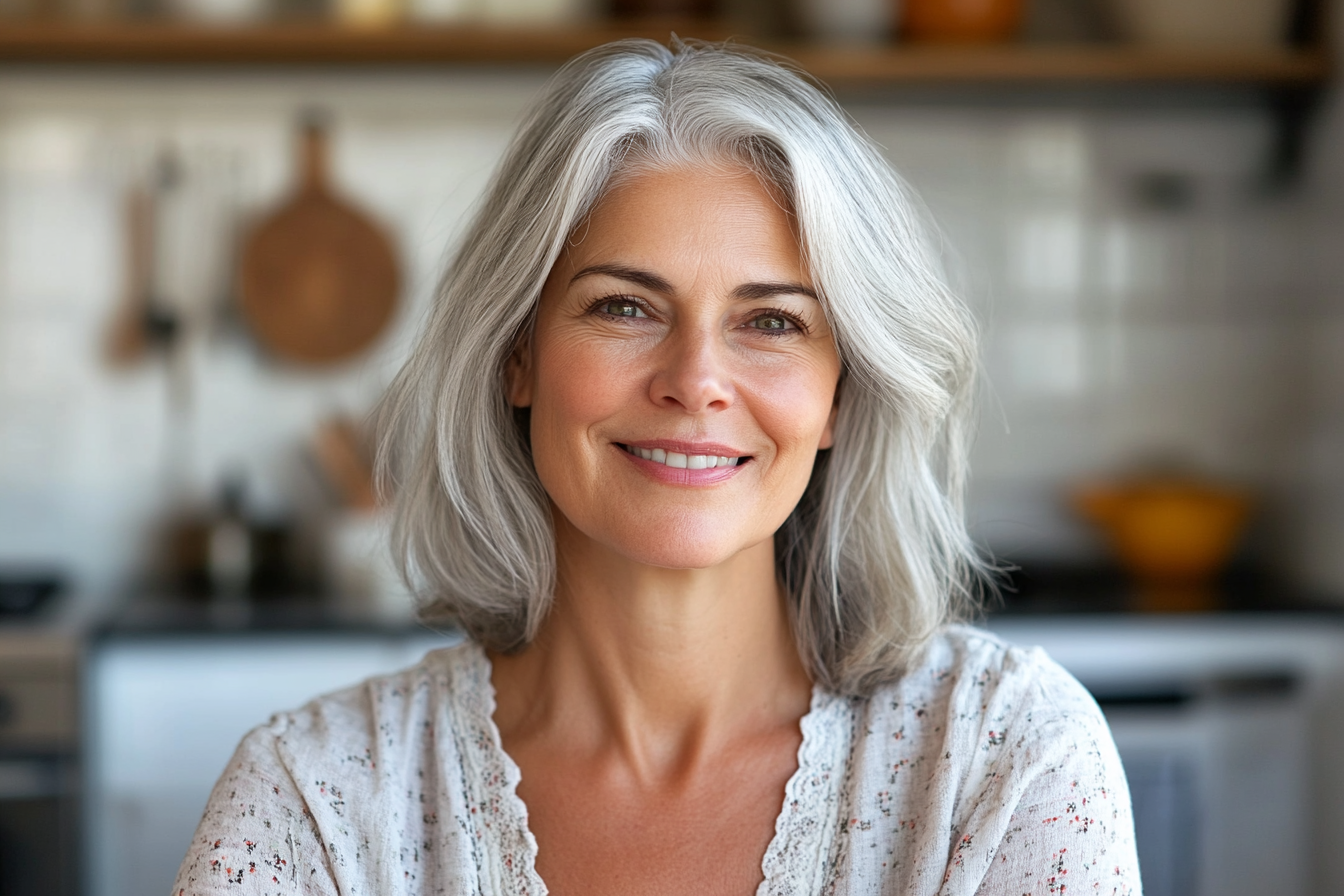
[651, 281]
[749, 291]
[645, 279]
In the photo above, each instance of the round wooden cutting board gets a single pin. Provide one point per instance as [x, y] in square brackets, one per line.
[318, 279]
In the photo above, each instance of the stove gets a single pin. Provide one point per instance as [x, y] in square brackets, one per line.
[39, 736]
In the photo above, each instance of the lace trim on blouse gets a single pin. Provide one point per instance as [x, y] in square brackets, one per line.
[801, 850]
[508, 851]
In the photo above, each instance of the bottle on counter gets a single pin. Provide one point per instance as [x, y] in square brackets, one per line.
[229, 556]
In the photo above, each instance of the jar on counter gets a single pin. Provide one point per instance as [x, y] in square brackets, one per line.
[500, 12]
[664, 8]
[848, 21]
[369, 13]
[440, 12]
[1246, 24]
[961, 21]
[531, 12]
[219, 12]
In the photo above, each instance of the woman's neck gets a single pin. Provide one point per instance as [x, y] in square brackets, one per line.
[662, 666]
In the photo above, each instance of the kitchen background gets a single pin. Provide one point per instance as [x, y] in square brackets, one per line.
[1160, 301]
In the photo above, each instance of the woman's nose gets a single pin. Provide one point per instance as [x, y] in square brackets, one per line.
[692, 373]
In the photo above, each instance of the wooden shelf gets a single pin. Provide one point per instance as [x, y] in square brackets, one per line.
[316, 44]
[313, 44]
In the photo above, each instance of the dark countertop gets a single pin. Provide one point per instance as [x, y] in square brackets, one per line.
[1086, 590]
[1032, 592]
[161, 615]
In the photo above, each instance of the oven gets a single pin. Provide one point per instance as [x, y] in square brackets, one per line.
[39, 806]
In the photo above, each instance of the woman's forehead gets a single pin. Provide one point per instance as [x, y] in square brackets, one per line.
[706, 164]
[705, 213]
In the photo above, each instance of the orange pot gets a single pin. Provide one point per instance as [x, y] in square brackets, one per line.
[961, 21]
[1167, 532]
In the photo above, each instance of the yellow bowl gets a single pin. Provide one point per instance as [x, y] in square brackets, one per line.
[1167, 532]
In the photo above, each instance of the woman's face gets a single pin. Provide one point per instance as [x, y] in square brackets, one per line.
[681, 374]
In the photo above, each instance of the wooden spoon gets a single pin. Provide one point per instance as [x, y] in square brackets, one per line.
[318, 279]
[128, 339]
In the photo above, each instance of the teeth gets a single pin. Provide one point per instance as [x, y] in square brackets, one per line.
[683, 461]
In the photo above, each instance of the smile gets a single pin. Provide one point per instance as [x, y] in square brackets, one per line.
[678, 461]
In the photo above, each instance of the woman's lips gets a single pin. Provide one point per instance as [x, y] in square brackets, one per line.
[684, 461]
[692, 464]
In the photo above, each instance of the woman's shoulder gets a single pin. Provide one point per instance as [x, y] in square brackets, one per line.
[1000, 747]
[972, 663]
[969, 682]
[384, 712]
[304, 792]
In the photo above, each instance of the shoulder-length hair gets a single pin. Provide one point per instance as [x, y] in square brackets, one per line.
[875, 557]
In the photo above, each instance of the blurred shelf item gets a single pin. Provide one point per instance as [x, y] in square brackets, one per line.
[940, 21]
[1063, 65]
[840, 65]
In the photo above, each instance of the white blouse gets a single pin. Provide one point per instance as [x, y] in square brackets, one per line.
[986, 769]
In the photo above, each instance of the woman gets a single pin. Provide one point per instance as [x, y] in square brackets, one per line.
[681, 451]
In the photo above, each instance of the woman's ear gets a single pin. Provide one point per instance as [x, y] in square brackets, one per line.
[518, 373]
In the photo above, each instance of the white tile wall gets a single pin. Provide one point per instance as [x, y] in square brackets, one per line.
[90, 459]
[1118, 332]
[1114, 331]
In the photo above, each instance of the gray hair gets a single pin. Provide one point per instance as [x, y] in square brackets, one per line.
[876, 556]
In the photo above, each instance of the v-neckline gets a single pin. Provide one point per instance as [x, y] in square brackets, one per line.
[798, 858]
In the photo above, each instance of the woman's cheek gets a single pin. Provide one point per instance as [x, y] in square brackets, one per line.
[592, 379]
[793, 405]
[579, 383]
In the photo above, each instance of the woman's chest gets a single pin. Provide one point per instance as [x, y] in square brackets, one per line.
[601, 832]
[709, 847]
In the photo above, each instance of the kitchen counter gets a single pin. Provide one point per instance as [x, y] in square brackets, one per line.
[162, 615]
[1034, 592]
[1091, 590]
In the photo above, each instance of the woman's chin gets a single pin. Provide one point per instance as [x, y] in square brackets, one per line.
[681, 553]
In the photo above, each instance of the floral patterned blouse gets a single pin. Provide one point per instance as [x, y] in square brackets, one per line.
[986, 769]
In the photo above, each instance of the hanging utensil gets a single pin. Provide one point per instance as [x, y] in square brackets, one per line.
[143, 321]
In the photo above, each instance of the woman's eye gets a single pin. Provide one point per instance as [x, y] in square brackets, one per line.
[776, 323]
[621, 308]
